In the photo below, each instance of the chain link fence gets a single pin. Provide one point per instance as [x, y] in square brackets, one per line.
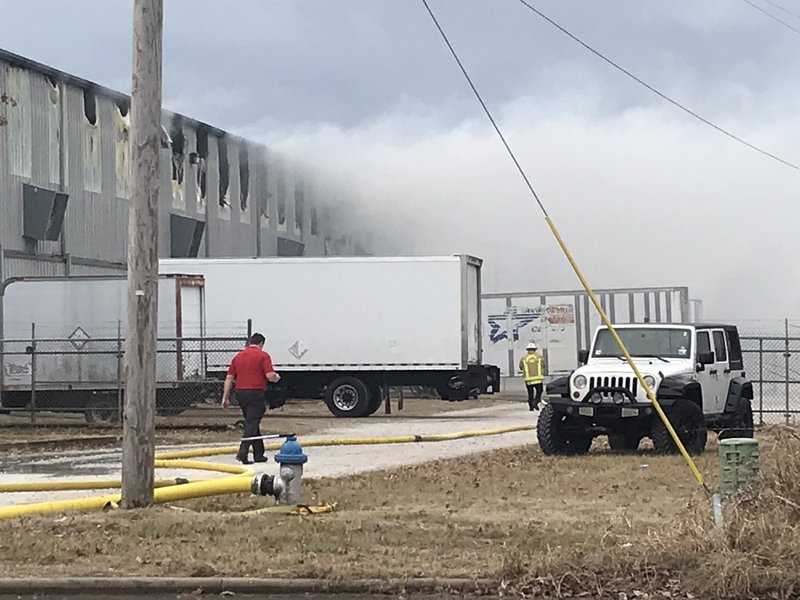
[772, 363]
[83, 379]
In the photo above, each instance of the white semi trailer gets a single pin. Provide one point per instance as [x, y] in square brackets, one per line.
[347, 328]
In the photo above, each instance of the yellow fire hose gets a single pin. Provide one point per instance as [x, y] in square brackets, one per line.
[237, 481]
[365, 441]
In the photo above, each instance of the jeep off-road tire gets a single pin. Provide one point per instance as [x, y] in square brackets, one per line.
[553, 438]
[624, 442]
[742, 425]
[688, 422]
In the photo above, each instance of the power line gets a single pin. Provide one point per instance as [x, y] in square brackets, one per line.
[485, 108]
[598, 306]
[659, 93]
[786, 10]
[773, 17]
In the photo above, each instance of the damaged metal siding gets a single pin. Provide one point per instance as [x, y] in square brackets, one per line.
[54, 133]
[16, 100]
[61, 133]
[91, 144]
[122, 146]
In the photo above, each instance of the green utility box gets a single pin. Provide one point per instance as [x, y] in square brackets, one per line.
[738, 465]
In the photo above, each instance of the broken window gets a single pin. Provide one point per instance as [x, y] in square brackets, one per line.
[281, 199]
[199, 158]
[178, 149]
[224, 172]
[244, 176]
[299, 205]
[178, 152]
[314, 222]
[90, 106]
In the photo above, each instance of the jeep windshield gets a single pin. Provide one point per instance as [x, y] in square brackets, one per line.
[645, 342]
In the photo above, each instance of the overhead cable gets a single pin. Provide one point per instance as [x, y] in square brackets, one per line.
[660, 93]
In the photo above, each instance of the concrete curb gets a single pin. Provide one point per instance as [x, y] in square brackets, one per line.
[241, 585]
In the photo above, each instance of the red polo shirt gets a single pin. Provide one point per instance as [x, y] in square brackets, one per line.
[250, 367]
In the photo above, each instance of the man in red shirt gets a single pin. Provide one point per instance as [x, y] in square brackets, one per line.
[250, 370]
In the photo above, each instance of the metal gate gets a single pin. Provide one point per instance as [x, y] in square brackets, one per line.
[772, 363]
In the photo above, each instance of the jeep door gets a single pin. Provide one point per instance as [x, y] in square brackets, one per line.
[712, 378]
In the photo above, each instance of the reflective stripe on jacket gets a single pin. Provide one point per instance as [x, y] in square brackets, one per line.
[532, 367]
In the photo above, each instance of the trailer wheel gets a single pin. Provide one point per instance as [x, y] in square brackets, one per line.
[348, 397]
[101, 413]
[375, 401]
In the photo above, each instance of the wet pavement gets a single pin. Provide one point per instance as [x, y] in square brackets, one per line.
[336, 461]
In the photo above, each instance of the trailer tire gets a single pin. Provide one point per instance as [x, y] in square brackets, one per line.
[348, 397]
[101, 413]
[375, 401]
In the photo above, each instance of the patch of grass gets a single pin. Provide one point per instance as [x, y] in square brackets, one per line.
[552, 527]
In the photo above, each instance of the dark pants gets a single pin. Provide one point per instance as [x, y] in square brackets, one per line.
[253, 404]
[534, 394]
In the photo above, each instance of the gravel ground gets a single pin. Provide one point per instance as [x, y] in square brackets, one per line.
[323, 462]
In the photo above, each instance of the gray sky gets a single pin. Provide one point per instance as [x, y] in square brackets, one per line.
[365, 88]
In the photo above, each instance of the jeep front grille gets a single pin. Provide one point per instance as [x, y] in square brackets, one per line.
[629, 383]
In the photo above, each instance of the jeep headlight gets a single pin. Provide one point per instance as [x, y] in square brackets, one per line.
[579, 382]
[650, 381]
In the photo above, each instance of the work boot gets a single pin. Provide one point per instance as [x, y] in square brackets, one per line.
[243, 459]
[260, 459]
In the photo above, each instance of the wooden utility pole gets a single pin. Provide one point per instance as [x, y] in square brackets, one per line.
[138, 443]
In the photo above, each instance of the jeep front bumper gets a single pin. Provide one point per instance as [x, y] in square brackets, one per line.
[602, 412]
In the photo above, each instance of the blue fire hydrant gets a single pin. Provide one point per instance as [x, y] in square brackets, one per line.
[291, 459]
[285, 486]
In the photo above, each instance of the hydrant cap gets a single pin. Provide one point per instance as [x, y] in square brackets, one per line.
[291, 453]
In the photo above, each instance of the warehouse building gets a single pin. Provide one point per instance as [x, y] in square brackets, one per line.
[65, 184]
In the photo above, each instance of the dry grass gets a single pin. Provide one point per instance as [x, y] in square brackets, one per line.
[546, 527]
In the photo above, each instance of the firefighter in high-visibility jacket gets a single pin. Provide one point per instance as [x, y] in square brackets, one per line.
[532, 367]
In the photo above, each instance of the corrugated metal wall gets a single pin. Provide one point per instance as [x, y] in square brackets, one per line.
[57, 132]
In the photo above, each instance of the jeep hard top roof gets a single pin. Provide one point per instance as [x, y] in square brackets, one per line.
[666, 325]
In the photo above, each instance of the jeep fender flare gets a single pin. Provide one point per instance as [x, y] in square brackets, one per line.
[739, 390]
[677, 387]
[559, 387]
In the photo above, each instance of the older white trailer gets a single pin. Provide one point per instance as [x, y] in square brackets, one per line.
[61, 342]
